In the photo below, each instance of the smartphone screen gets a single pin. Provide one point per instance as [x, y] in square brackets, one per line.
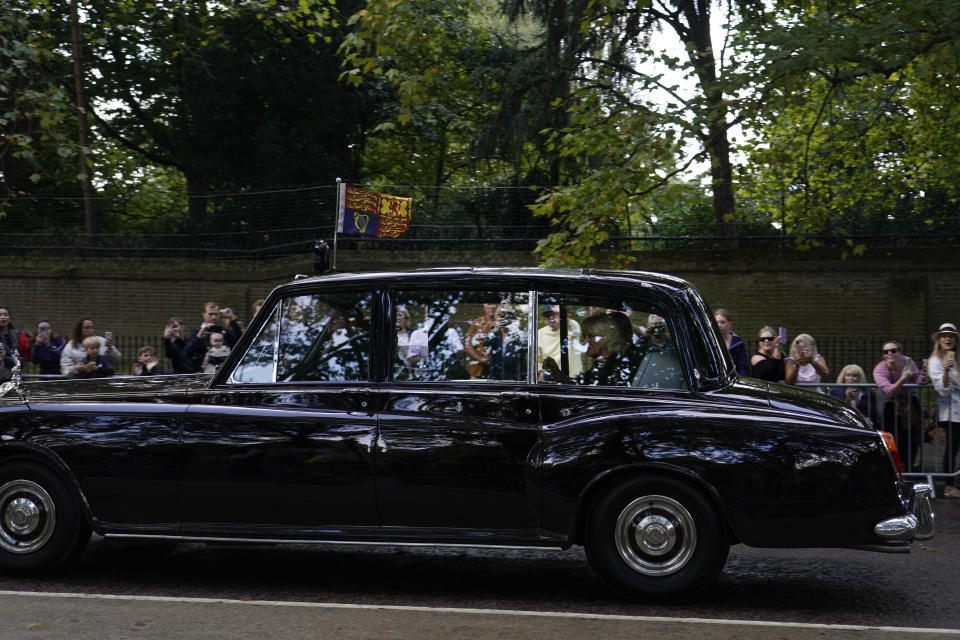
[783, 335]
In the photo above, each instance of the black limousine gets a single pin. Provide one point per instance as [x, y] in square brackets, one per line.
[462, 406]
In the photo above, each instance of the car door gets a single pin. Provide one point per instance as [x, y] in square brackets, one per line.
[456, 453]
[624, 407]
[283, 447]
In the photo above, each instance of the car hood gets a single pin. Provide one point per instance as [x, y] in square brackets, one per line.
[139, 386]
[809, 404]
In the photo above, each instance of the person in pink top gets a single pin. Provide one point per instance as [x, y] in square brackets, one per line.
[901, 408]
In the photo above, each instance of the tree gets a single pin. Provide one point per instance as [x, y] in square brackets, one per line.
[38, 144]
[605, 46]
[445, 70]
[860, 137]
[235, 98]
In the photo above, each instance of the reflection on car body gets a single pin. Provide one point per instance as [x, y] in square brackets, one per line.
[633, 437]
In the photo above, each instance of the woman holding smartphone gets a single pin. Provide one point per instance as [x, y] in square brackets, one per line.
[46, 349]
[74, 352]
[767, 362]
[856, 397]
[805, 364]
[942, 369]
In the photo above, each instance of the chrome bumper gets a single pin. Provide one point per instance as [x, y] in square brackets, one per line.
[917, 524]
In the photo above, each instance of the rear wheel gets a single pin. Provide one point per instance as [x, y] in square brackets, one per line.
[41, 524]
[652, 537]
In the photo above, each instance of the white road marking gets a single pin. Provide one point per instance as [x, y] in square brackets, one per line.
[493, 612]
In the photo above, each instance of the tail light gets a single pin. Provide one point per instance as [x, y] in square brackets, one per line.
[891, 445]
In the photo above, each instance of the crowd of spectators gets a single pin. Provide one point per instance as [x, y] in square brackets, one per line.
[894, 405]
[84, 354]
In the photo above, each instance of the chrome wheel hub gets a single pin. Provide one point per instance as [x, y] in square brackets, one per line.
[655, 535]
[22, 516]
[27, 516]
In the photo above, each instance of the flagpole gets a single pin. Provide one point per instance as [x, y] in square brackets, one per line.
[337, 223]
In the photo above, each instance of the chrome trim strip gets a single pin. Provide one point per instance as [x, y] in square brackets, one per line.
[359, 543]
[278, 317]
[269, 412]
[533, 320]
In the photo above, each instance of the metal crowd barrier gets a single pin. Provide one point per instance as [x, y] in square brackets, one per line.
[914, 422]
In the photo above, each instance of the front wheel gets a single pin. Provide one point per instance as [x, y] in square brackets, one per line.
[41, 525]
[654, 537]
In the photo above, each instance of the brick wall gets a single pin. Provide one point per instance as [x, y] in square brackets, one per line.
[902, 294]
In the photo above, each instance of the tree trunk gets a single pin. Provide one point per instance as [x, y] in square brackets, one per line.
[716, 141]
[89, 206]
[721, 171]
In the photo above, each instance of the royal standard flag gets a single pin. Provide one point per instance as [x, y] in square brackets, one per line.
[367, 213]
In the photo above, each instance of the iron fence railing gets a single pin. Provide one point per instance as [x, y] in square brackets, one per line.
[268, 243]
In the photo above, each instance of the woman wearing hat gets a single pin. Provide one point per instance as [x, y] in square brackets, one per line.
[942, 369]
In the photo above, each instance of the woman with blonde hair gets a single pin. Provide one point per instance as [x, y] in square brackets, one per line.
[805, 364]
[855, 396]
[942, 370]
[605, 342]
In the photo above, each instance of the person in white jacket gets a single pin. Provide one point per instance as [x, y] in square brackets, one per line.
[942, 370]
[74, 353]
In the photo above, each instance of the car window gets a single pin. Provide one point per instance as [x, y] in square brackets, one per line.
[461, 335]
[606, 341]
[317, 337]
[259, 362]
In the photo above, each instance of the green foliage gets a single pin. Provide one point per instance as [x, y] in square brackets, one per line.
[861, 133]
[37, 116]
[605, 202]
[232, 97]
[853, 110]
[235, 97]
[442, 68]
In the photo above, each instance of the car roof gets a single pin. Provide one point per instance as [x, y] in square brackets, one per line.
[453, 272]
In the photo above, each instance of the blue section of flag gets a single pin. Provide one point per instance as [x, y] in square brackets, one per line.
[359, 223]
